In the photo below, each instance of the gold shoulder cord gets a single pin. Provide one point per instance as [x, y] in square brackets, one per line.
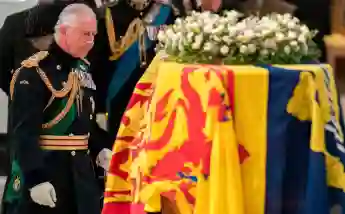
[70, 102]
[72, 86]
[135, 31]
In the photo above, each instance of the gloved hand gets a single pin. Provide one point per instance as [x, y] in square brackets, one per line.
[103, 158]
[101, 120]
[44, 194]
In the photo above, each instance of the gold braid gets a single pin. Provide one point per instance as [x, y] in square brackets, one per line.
[33, 62]
[70, 102]
[135, 31]
[72, 86]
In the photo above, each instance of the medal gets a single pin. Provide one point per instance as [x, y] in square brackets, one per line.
[85, 78]
[16, 184]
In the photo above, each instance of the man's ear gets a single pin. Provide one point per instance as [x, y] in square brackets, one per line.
[62, 29]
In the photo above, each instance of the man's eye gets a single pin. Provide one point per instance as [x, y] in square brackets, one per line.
[89, 34]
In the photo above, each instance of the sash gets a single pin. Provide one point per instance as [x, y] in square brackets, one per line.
[130, 60]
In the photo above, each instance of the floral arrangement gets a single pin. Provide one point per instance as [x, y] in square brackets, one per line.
[231, 38]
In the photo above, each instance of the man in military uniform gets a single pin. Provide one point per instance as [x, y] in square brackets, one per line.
[23, 34]
[50, 117]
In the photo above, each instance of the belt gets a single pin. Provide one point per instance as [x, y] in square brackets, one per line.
[53, 142]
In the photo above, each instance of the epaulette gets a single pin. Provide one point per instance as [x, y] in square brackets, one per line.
[30, 62]
[34, 60]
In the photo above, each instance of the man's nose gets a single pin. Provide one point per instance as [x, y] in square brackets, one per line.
[90, 39]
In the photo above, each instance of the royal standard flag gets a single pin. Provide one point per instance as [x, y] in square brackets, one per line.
[229, 140]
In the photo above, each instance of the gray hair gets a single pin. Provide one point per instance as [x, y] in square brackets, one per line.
[72, 13]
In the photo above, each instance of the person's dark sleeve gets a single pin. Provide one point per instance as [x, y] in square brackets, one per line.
[101, 67]
[6, 54]
[26, 119]
[99, 139]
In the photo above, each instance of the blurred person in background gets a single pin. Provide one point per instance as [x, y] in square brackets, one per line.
[317, 15]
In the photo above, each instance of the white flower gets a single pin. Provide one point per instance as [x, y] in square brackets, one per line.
[265, 32]
[178, 21]
[174, 44]
[265, 19]
[179, 35]
[224, 50]
[193, 27]
[301, 38]
[169, 33]
[208, 28]
[287, 16]
[287, 49]
[218, 29]
[295, 19]
[232, 31]
[241, 26]
[280, 36]
[196, 46]
[199, 38]
[269, 44]
[190, 36]
[243, 49]
[197, 43]
[208, 46]
[251, 48]
[305, 29]
[248, 33]
[294, 43]
[189, 19]
[291, 25]
[216, 38]
[232, 15]
[161, 36]
[227, 40]
[246, 36]
[264, 52]
[292, 35]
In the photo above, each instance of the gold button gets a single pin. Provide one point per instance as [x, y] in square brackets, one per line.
[58, 67]
[91, 117]
[73, 153]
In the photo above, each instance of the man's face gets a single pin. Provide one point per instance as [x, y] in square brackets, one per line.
[79, 38]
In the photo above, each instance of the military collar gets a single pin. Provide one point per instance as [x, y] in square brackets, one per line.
[63, 60]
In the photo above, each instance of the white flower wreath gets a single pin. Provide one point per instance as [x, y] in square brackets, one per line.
[206, 37]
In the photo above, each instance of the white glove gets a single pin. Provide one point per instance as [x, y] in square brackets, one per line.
[44, 194]
[101, 120]
[103, 158]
